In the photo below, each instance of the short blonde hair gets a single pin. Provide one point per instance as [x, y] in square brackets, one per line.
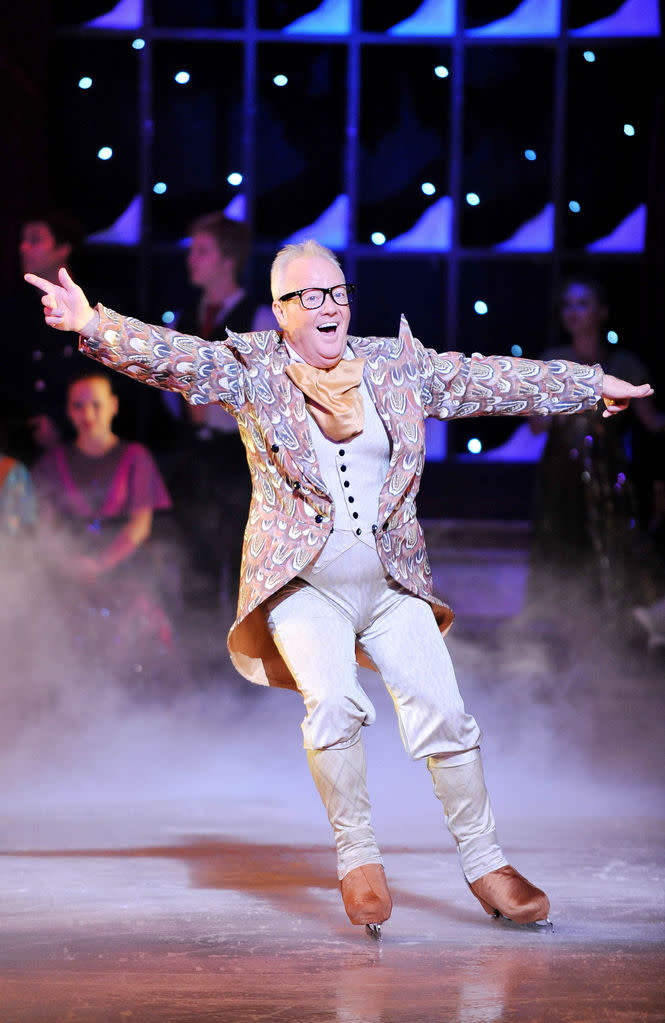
[309, 249]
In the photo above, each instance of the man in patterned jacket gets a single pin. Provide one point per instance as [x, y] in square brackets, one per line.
[335, 570]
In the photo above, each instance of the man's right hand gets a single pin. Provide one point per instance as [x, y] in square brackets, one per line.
[65, 304]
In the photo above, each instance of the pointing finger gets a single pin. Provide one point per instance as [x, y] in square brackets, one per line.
[39, 282]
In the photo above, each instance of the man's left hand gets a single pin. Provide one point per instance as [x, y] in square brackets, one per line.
[617, 394]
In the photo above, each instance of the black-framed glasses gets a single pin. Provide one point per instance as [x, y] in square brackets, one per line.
[313, 298]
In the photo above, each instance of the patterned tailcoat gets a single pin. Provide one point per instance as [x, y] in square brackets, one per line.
[291, 513]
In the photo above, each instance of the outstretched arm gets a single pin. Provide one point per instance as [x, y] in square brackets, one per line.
[203, 372]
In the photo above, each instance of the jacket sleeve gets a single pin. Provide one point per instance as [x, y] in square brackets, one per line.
[456, 385]
[202, 372]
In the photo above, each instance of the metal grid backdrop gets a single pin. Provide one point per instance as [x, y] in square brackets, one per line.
[546, 110]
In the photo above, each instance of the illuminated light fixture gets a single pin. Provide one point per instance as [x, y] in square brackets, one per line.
[234, 178]
[159, 187]
[480, 307]
[530, 154]
[168, 316]
[589, 56]
[612, 337]
[105, 153]
[138, 44]
[428, 188]
[629, 129]
[182, 77]
[441, 72]
[85, 82]
[280, 80]
[472, 198]
[378, 238]
[574, 206]
[474, 446]
[516, 350]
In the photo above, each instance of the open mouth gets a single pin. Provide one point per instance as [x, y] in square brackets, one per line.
[327, 328]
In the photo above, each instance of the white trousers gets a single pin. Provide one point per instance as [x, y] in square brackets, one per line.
[315, 625]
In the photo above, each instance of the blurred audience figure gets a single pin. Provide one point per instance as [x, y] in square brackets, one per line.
[585, 518]
[37, 366]
[208, 475]
[98, 497]
[18, 510]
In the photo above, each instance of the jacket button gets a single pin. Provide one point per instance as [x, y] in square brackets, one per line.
[358, 532]
[374, 528]
[346, 483]
[296, 485]
[318, 518]
[351, 500]
[342, 468]
[341, 452]
[275, 447]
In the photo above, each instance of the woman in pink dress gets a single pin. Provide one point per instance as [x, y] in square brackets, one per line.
[98, 496]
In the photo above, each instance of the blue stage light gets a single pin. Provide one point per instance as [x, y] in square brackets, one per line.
[530, 154]
[138, 44]
[612, 337]
[574, 206]
[474, 446]
[589, 56]
[378, 238]
[85, 82]
[629, 129]
[428, 188]
[182, 77]
[105, 153]
[441, 72]
[280, 80]
[159, 187]
[516, 350]
[168, 316]
[234, 178]
[472, 198]
[480, 307]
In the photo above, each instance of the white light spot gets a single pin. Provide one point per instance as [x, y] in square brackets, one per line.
[280, 80]
[574, 206]
[474, 446]
[234, 178]
[612, 337]
[378, 238]
[159, 187]
[589, 56]
[516, 350]
[85, 82]
[480, 307]
[472, 198]
[182, 77]
[428, 188]
[105, 153]
[168, 316]
[138, 44]
[629, 129]
[441, 71]
[530, 154]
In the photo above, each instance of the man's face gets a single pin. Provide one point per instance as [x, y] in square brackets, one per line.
[39, 252]
[317, 335]
[581, 312]
[205, 261]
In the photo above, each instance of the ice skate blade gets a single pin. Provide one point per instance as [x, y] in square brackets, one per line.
[373, 931]
[535, 925]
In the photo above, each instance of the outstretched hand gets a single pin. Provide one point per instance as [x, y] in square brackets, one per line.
[618, 393]
[65, 304]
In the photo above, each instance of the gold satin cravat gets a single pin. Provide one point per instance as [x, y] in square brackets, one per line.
[332, 395]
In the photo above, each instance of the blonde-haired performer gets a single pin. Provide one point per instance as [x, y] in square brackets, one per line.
[334, 565]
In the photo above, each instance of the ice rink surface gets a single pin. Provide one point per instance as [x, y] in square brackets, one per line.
[170, 862]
